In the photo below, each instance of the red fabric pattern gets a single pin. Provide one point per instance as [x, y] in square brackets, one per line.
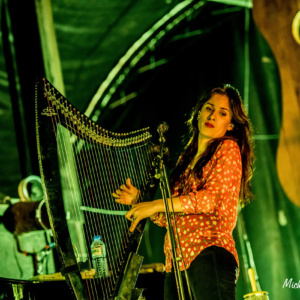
[209, 213]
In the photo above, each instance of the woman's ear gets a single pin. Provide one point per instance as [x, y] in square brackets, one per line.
[230, 126]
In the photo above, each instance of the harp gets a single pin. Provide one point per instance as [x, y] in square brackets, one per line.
[81, 164]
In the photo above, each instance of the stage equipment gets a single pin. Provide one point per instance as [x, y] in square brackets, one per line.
[12, 289]
[161, 174]
[255, 295]
[23, 217]
[27, 213]
[30, 189]
[81, 164]
[248, 263]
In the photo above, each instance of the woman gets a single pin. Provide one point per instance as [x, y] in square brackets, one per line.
[211, 177]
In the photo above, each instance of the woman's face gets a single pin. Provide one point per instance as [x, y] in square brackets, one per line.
[214, 119]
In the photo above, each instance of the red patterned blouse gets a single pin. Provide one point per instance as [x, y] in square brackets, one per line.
[209, 213]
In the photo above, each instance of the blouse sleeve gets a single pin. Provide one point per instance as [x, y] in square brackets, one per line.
[159, 219]
[222, 182]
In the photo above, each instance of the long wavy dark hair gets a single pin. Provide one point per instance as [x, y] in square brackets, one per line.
[241, 133]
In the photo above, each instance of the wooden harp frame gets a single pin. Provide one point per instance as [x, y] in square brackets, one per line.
[50, 103]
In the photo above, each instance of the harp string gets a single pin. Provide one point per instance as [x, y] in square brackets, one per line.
[92, 221]
[120, 220]
[113, 206]
[132, 171]
[65, 159]
[142, 169]
[107, 235]
[135, 162]
[119, 248]
[120, 166]
[109, 160]
[72, 164]
[93, 164]
[54, 121]
[60, 153]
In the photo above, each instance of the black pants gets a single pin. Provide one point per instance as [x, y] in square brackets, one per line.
[212, 276]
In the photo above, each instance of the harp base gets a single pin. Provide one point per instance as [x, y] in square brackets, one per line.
[131, 273]
[137, 294]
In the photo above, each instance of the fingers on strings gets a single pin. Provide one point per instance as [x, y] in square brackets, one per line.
[120, 193]
[132, 217]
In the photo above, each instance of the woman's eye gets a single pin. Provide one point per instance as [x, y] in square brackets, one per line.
[208, 108]
[223, 114]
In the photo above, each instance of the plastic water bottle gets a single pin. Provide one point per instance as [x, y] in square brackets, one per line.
[99, 257]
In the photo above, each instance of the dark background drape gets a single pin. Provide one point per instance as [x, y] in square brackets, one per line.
[217, 43]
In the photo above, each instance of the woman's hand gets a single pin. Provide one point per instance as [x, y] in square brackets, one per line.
[142, 211]
[126, 194]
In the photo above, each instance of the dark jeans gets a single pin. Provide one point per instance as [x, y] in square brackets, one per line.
[212, 276]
